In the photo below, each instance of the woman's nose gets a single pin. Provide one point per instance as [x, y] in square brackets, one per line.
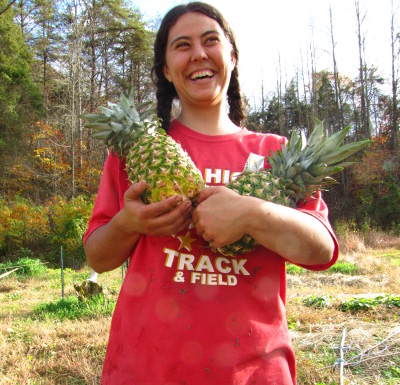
[199, 53]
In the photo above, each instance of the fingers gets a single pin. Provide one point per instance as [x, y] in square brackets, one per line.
[206, 193]
[159, 208]
[160, 218]
[134, 191]
[173, 221]
[166, 217]
[154, 209]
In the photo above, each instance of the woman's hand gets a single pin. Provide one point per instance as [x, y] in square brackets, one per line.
[111, 244]
[161, 218]
[220, 216]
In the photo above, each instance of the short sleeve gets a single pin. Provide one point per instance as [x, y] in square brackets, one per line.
[317, 207]
[110, 196]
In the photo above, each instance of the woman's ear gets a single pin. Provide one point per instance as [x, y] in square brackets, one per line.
[167, 74]
[233, 60]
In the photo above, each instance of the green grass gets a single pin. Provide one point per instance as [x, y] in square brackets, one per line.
[71, 308]
[344, 267]
[393, 257]
[294, 269]
[27, 267]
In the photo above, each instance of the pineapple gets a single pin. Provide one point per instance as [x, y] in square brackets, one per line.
[297, 171]
[151, 155]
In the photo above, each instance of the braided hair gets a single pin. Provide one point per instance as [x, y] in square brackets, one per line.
[165, 91]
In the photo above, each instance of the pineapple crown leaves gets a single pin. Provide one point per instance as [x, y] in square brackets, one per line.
[306, 165]
[119, 125]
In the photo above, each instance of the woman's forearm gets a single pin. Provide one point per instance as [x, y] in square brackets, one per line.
[223, 217]
[295, 235]
[110, 245]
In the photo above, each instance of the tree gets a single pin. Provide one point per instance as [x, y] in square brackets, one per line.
[20, 102]
[364, 110]
[395, 111]
[326, 107]
[45, 38]
[295, 110]
[336, 77]
[7, 6]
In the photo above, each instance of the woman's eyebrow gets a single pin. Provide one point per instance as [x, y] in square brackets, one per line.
[210, 32]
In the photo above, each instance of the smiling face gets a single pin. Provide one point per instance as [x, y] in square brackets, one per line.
[199, 60]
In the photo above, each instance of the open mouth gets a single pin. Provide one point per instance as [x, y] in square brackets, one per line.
[202, 75]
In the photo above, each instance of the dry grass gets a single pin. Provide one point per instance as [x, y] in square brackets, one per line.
[72, 352]
[48, 351]
[318, 333]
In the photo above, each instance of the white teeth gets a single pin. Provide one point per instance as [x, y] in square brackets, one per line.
[201, 74]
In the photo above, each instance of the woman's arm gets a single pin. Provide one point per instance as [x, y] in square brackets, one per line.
[224, 216]
[111, 244]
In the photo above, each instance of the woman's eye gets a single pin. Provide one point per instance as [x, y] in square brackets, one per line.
[182, 44]
[212, 39]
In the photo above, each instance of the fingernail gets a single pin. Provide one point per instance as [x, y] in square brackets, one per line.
[177, 199]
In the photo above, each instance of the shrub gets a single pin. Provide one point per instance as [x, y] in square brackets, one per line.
[28, 230]
[69, 222]
[23, 226]
[382, 205]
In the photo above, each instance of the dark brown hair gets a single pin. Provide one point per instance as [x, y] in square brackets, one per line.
[166, 92]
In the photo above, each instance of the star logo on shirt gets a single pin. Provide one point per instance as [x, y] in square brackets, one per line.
[186, 241]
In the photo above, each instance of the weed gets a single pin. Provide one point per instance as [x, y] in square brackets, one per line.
[359, 304]
[15, 296]
[318, 301]
[292, 323]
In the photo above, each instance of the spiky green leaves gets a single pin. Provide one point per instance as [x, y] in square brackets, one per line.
[120, 125]
[307, 165]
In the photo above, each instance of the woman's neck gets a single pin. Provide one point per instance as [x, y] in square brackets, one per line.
[208, 121]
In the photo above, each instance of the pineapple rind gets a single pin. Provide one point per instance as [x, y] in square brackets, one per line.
[167, 169]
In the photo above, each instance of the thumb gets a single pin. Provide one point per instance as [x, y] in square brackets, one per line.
[206, 193]
[134, 191]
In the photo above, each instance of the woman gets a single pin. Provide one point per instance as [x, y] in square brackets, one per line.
[186, 315]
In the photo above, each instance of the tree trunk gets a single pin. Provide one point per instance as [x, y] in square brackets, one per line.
[395, 129]
[363, 107]
[338, 91]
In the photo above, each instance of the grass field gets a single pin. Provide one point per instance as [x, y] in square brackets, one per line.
[47, 339]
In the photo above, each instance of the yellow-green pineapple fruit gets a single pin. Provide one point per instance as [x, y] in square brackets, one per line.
[135, 132]
[297, 171]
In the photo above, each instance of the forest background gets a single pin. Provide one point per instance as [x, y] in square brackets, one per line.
[61, 59]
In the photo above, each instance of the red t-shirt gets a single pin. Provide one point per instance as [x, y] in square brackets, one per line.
[186, 315]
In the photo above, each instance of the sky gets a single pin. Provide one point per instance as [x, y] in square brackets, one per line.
[271, 31]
